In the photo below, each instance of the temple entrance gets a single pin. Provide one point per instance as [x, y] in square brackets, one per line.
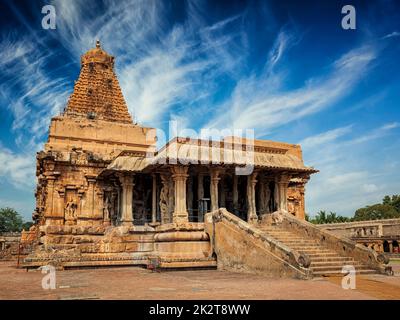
[386, 247]
[142, 203]
[395, 246]
[198, 195]
[204, 202]
[242, 206]
[192, 198]
[227, 193]
[272, 205]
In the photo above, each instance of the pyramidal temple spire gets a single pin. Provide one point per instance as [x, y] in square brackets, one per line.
[97, 93]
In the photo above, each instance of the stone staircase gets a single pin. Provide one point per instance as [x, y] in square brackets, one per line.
[324, 261]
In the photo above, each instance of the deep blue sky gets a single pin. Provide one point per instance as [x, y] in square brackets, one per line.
[283, 68]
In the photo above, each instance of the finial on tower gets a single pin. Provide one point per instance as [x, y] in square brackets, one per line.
[97, 55]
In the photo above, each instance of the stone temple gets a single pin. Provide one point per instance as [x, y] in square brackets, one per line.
[106, 196]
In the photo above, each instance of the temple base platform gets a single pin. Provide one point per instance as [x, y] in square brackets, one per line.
[168, 246]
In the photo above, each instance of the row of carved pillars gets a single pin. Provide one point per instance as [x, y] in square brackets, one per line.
[179, 178]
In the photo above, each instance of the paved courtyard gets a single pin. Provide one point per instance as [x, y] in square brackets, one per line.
[137, 283]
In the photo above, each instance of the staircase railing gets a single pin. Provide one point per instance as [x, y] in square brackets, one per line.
[296, 261]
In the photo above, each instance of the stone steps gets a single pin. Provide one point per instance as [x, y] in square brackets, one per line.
[304, 248]
[336, 263]
[338, 273]
[337, 268]
[333, 258]
[328, 257]
[324, 261]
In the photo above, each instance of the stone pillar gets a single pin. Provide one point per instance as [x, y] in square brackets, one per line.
[251, 198]
[222, 194]
[261, 194]
[235, 194]
[98, 208]
[276, 203]
[380, 230]
[214, 188]
[51, 213]
[119, 211]
[390, 246]
[200, 186]
[126, 199]
[154, 199]
[283, 184]
[267, 196]
[88, 200]
[200, 196]
[190, 195]
[179, 175]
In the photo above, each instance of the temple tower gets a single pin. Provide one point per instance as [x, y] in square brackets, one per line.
[94, 129]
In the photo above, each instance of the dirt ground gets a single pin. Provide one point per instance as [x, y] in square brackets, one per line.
[138, 283]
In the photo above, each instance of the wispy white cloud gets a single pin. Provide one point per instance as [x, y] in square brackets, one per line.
[354, 171]
[391, 35]
[254, 104]
[160, 65]
[324, 137]
[370, 187]
[283, 42]
[376, 133]
[32, 95]
[18, 169]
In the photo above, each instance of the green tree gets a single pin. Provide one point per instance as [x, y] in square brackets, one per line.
[331, 217]
[393, 201]
[10, 220]
[376, 212]
[322, 217]
[344, 219]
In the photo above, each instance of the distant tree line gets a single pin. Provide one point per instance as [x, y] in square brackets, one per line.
[388, 209]
[11, 221]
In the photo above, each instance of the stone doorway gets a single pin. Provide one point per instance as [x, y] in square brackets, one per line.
[142, 199]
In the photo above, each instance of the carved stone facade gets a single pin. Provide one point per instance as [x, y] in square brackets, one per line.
[102, 200]
[379, 235]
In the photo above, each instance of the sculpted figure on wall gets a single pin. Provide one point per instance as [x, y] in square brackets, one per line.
[107, 208]
[291, 207]
[164, 199]
[70, 210]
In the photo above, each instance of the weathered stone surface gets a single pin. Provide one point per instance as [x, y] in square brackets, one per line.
[105, 197]
[379, 235]
[238, 249]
